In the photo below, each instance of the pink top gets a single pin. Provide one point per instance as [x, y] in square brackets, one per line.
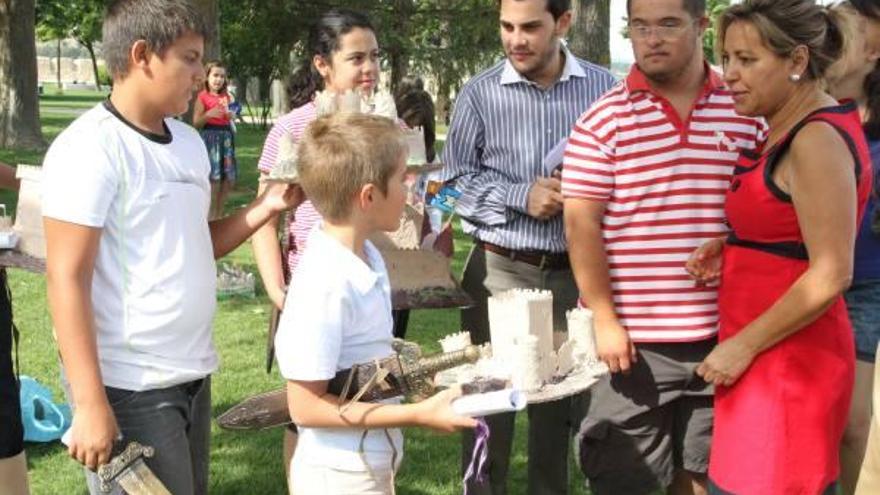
[306, 216]
[210, 100]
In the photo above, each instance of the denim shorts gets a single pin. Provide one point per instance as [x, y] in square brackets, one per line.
[863, 302]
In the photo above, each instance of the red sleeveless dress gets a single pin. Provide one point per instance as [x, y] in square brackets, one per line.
[777, 430]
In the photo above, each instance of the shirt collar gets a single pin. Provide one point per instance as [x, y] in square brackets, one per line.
[636, 81]
[571, 69]
[362, 275]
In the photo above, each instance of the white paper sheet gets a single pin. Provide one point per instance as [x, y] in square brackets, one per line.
[486, 404]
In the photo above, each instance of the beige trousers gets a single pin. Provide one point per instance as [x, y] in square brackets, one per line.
[308, 479]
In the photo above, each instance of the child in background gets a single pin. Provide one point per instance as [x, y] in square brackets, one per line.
[213, 116]
[338, 313]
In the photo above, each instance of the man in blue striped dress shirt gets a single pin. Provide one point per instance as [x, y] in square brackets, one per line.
[506, 120]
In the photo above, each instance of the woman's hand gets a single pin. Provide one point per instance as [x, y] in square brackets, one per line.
[726, 363]
[704, 264]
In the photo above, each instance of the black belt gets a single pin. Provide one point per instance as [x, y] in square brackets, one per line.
[541, 259]
[787, 249]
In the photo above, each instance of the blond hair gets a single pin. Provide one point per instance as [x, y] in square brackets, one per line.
[341, 153]
[785, 25]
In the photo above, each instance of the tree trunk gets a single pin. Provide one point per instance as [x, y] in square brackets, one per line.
[91, 49]
[398, 57]
[590, 30]
[211, 13]
[19, 102]
[59, 89]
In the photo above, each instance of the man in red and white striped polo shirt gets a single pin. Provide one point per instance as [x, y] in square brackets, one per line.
[645, 175]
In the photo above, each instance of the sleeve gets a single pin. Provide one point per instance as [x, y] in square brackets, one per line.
[79, 180]
[487, 196]
[587, 166]
[309, 339]
[270, 148]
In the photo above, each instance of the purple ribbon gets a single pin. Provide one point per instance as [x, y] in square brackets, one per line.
[479, 455]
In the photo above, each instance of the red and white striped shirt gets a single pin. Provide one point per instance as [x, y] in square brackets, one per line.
[664, 183]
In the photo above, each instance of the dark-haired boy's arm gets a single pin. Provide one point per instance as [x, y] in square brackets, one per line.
[229, 232]
[71, 251]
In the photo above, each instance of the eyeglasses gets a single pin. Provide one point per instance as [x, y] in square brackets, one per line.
[669, 31]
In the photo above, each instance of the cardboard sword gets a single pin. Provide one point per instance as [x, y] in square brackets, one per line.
[128, 469]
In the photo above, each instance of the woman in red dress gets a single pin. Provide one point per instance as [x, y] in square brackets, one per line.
[783, 367]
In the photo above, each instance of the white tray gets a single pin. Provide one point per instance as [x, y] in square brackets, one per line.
[582, 377]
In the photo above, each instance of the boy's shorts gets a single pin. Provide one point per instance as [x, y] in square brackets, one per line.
[642, 427]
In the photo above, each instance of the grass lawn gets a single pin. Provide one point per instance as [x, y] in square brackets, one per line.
[241, 463]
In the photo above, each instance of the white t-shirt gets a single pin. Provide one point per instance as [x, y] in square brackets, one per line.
[153, 288]
[337, 314]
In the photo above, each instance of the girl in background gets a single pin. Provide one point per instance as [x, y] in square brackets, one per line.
[213, 117]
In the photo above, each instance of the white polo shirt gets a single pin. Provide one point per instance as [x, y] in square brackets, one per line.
[337, 314]
[153, 288]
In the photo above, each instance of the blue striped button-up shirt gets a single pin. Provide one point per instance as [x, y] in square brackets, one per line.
[502, 127]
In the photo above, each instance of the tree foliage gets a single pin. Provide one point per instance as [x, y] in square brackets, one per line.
[445, 40]
[77, 19]
[714, 8]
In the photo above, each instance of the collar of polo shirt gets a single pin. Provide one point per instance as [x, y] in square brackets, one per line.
[636, 80]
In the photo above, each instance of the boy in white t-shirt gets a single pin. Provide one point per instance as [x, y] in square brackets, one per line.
[338, 311]
[130, 251]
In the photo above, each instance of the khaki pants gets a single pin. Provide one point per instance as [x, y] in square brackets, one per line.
[322, 480]
[869, 478]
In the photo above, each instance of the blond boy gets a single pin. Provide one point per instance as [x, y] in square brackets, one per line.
[338, 311]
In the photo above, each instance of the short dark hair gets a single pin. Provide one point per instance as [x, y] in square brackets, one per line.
[158, 22]
[555, 7]
[696, 8]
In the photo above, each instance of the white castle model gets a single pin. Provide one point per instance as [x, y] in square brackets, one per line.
[525, 348]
